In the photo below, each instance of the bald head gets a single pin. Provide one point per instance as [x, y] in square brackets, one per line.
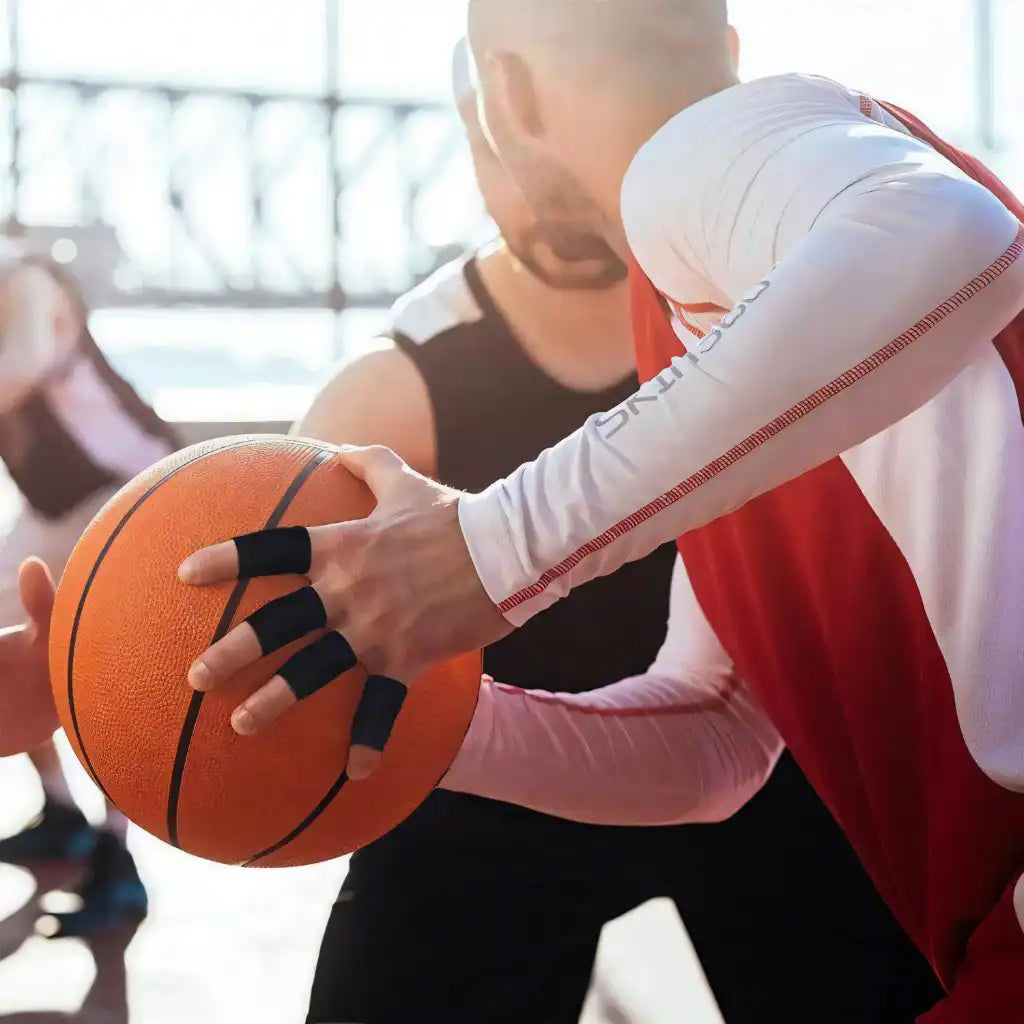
[570, 90]
[609, 12]
[580, 32]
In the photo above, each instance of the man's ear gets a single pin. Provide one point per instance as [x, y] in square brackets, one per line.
[732, 40]
[510, 92]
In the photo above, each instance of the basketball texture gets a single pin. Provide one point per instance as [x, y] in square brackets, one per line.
[125, 631]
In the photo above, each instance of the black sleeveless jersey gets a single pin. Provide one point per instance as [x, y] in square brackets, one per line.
[495, 409]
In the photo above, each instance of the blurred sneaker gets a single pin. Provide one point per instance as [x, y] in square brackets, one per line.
[57, 833]
[111, 894]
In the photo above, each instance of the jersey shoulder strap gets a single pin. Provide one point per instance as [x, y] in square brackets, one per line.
[494, 407]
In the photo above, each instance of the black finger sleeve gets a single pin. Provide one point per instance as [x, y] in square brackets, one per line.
[288, 618]
[274, 552]
[320, 663]
[378, 709]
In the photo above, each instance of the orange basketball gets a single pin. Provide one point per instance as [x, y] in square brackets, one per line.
[125, 631]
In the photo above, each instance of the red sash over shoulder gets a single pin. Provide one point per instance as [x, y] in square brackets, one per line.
[818, 608]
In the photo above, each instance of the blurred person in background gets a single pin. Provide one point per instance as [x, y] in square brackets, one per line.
[474, 910]
[72, 432]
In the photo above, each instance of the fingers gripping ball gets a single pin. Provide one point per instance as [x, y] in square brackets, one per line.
[125, 631]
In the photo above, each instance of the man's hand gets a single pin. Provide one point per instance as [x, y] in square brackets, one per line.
[397, 592]
[27, 715]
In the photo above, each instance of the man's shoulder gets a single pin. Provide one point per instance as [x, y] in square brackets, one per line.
[713, 184]
[689, 146]
[442, 302]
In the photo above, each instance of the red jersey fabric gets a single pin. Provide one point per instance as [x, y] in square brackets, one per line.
[821, 613]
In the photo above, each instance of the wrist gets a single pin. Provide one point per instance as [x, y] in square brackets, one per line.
[486, 520]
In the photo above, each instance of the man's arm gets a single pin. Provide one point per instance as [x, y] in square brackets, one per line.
[871, 273]
[377, 399]
[685, 742]
[29, 303]
[903, 274]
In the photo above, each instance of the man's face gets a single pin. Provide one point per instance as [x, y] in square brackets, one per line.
[532, 151]
[559, 252]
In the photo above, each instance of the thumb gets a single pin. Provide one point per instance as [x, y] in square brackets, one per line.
[37, 590]
[378, 467]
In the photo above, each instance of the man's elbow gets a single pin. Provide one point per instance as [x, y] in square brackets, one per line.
[751, 776]
[717, 790]
[969, 228]
[957, 272]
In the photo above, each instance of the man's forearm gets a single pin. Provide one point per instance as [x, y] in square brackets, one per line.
[828, 353]
[647, 751]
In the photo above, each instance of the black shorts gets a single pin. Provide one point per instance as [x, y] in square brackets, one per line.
[474, 912]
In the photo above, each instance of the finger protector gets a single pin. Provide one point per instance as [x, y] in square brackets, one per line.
[312, 668]
[279, 552]
[377, 712]
[288, 618]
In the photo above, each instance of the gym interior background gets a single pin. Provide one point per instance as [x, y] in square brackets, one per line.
[244, 188]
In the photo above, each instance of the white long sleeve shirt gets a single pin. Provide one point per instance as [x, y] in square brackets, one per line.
[836, 438]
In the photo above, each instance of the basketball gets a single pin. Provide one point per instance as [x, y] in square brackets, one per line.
[125, 631]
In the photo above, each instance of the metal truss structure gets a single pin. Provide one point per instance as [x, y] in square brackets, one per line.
[225, 197]
[220, 197]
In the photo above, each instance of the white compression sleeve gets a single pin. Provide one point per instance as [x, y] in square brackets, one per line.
[867, 293]
[685, 742]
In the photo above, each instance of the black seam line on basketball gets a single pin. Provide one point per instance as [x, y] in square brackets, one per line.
[303, 825]
[104, 551]
[322, 806]
[320, 456]
[316, 812]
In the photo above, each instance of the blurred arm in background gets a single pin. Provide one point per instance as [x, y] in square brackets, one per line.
[38, 329]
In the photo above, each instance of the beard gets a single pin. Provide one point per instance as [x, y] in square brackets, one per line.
[563, 247]
[553, 192]
[566, 259]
